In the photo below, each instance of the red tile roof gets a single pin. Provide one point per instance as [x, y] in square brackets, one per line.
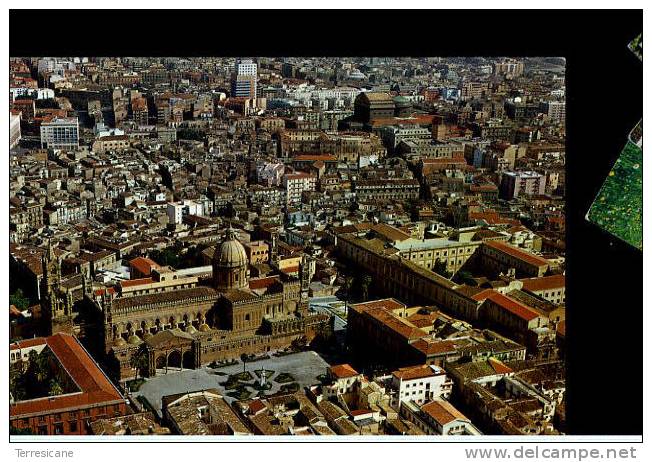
[342, 371]
[387, 303]
[483, 295]
[436, 347]
[262, 283]
[518, 253]
[110, 290]
[415, 372]
[256, 406]
[442, 412]
[30, 342]
[95, 387]
[143, 265]
[499, 366]
[135, 282]
[493, 218]
[556, 281]
[514, 307]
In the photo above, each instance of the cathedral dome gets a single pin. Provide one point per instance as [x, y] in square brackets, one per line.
[120, 342]
[204, 328]
[134, 340]
[230, 253]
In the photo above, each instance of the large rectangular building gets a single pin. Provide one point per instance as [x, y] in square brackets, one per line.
[243, 82]
[500, 257]
[515, 184]
[60, 133]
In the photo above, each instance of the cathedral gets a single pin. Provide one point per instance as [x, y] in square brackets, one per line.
[196, 324]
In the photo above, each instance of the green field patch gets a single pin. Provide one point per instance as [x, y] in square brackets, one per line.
[618, 208]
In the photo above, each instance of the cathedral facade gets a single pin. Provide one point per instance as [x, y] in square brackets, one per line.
[191, 326]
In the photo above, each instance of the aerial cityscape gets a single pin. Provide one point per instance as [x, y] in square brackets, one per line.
[290, 246]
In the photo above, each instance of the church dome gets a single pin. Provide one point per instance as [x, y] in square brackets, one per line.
[191, 329]
[120, 342]
[134, 340]
[204, 328]
[230, 253]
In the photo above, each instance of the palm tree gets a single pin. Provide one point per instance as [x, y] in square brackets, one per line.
[40, 365]
[347, 285]
[55, 388]
[139, 361]
[244, 357]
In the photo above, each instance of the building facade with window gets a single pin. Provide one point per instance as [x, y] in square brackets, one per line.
[60, 133]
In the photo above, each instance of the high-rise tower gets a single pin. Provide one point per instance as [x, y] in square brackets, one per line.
[243, 80]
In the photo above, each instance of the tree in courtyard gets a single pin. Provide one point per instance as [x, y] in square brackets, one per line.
[39, 366]
[139, 361]
[55, 388]
[464, 277]
[365, 282]
[440, 268]
[17, 382]
[243, 358]
[19, 300]
[347, 286]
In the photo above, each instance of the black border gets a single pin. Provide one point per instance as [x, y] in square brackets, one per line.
[604, 87]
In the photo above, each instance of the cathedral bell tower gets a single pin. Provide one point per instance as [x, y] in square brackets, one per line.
[306, 271]
[107, 315]
[56, 303]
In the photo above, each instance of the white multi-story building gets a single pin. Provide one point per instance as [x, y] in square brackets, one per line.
[177, 210]
[522, 183]
[296, 183]
[555, 110]
[60, 133]
[420, 384]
